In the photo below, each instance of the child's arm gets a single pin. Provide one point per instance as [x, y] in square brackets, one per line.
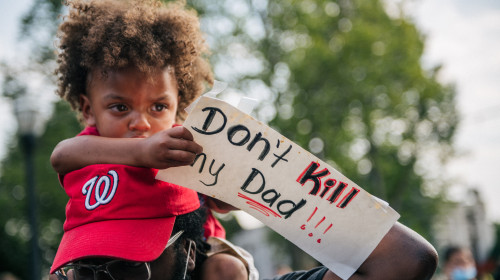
[168, 148]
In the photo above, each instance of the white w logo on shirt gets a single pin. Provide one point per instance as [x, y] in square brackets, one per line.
[101, 197]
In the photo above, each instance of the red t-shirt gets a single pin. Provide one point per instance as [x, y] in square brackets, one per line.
[212, 226]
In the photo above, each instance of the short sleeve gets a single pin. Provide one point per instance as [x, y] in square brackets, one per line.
[88, 130]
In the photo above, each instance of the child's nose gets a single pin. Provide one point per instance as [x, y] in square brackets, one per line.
[139, 122]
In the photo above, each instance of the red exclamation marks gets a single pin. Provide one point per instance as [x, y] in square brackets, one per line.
[310, 234]
[314, 212]
[327, 229]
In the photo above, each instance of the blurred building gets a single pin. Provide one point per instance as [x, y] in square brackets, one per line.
[465, 224]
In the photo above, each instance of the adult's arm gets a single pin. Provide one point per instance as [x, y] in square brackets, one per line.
[401, 255]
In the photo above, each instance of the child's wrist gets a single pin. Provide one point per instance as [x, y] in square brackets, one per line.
[138, 153]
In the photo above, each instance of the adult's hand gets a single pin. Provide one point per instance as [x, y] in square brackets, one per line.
[69, 276]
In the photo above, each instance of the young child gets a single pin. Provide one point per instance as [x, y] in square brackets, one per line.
[129, 68]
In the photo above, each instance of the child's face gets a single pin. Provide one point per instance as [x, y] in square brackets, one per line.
[128, 104]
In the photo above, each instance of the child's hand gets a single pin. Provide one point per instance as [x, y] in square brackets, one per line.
[219, 206]
[169, 148]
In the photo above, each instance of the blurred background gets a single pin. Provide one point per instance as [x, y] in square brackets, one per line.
[400, 96]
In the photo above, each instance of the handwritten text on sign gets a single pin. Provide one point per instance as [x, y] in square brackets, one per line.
[247, 164]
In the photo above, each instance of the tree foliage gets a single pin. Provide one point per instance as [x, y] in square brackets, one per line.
[361, 99]
[341, 78]
[347, 85]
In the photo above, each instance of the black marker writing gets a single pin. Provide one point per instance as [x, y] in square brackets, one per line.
[270, 196]
[208, 121]
[239, 135]
[282, 156]
[310, 173]
[210, 171]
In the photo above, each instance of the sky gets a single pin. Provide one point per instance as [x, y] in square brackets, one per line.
[464, 36]
[9, 22]
[461, 35]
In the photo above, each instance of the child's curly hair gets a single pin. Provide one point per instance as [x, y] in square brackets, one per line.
[147, 34]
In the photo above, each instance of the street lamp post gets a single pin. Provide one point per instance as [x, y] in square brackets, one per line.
[29, 127]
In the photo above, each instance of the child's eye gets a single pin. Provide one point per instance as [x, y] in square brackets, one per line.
[119, 107]
[159, 107]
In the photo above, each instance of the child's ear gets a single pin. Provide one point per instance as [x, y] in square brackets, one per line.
[87, 112]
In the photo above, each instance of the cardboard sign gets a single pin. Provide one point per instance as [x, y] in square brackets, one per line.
[249, 165]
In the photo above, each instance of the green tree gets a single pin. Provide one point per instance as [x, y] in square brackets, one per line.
[37, 31]
[51, 199]
[348, 85]
[359, 98]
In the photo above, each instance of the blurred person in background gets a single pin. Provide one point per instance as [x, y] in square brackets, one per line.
[459, 264]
